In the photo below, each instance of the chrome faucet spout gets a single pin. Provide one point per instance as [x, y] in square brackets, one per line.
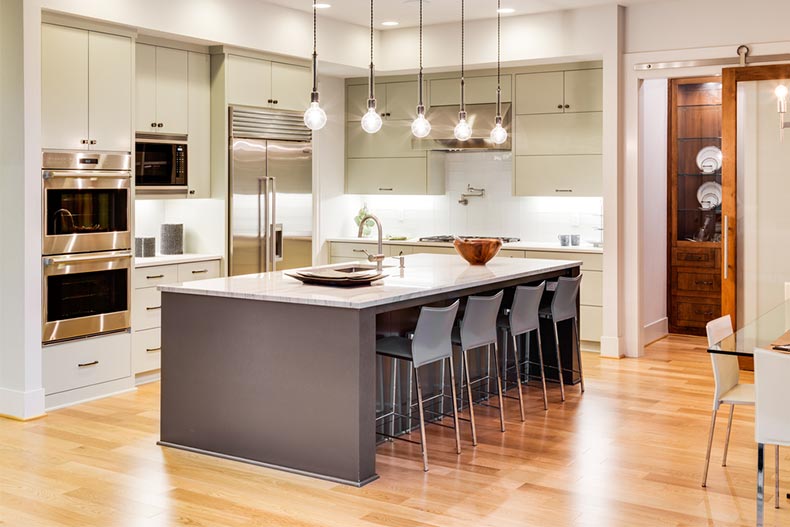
[379, 256]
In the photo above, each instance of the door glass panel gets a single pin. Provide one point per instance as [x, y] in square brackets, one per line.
[85, 211]
[86, 294]
[763, 186]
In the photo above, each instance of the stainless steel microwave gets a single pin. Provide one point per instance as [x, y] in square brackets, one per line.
[160, 163]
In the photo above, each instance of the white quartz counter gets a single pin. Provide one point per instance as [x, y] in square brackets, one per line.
[170, 259]
[423, 275]
[518, 246]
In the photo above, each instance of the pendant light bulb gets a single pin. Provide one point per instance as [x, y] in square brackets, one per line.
[371, 121]
[498, 134]
[462, 130]
[314, 116]
[420, 127]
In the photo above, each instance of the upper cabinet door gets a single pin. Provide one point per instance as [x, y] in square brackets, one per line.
[199, 166]
[477, 90]
[172, 80]
[110, 92]
[357, 100]
[145, 88]
[249, 81]
[291, 86]
[64, 87]
[584, 91]
[401, 100]
[540, 93]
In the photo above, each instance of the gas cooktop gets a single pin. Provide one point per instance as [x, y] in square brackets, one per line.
[448, 238]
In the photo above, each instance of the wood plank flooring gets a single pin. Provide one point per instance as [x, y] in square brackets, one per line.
[628, 452]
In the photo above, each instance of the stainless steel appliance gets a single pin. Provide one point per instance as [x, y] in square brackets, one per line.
[86, 294]
[160, 163]
[482, 119]
[86, 202]
[270, 157]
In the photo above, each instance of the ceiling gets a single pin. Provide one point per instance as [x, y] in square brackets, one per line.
[406, 12]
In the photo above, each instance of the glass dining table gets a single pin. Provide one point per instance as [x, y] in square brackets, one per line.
[760, 333]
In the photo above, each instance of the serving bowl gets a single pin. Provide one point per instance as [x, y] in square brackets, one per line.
[477, 251]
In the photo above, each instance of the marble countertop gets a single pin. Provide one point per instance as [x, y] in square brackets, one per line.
[519, 246]
[424, 275]
[170, 259]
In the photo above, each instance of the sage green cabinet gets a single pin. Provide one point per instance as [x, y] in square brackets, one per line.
[393, 140]
[559, 134]
[161, 80]
[558, 176]
[560, 92]
[394, 100]
[477, 90]
[267, 84]
[408, 175]
[291, 86]
[199, 166]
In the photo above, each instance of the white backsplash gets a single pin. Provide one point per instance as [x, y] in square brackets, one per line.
[203, 219]
[498, 213]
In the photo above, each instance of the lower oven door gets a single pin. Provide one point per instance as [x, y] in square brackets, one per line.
[86, 294]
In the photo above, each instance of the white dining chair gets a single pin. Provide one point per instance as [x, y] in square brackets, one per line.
[771, 415]
[729, 389]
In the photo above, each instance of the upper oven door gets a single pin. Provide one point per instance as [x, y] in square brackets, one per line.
[85, 211]
[160, 164]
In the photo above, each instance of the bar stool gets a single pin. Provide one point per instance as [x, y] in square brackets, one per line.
[478, 329]
[430, 344]
[522, 319]
[562, 308]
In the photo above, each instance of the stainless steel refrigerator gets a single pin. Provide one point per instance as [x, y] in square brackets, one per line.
[270, 187]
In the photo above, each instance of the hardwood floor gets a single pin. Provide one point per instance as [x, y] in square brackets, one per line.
[629, 452]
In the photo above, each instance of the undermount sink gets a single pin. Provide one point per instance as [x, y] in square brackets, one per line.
[358, 268]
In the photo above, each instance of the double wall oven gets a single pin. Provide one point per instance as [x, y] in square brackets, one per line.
[86, 245]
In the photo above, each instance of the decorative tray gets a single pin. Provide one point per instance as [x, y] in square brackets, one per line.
[333, 278]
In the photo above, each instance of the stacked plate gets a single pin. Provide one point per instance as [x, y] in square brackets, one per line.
[330, 277]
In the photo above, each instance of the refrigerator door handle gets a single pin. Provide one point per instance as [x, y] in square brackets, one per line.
[263, 224]
[273, 252]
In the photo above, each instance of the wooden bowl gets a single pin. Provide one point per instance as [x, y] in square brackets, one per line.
[477, 251]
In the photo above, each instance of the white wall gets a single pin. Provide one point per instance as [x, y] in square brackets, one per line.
[653, 165]
[203, 220]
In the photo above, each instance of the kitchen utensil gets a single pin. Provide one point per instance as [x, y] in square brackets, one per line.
[709, 195]
[477, 251]
[565, 239]
[709, 159]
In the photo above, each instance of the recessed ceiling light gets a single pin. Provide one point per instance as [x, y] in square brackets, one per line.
[390, 23]
[505, 10]
[322, 6]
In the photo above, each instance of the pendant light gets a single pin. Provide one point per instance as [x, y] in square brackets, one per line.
[314, 116]
[371, 121]
[498, 134]
[462, 130]
[420, 127]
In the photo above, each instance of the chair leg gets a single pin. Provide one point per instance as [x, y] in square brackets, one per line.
[760, 483]
[455, 407]
[465, 366]
[499, 388]
[559, 361]
[518, 376]
[422, 421]
[776, 484]
[710, 444]
[542, 370]
[395, 365]
[727, 439]
[579, 351]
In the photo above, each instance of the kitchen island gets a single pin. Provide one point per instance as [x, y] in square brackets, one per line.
[264, 369]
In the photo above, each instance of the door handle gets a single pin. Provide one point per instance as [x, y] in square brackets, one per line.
[273, 222]
[703, 282]
[726, 251]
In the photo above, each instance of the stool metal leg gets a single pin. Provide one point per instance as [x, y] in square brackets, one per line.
[760, 484]
[422, 421]
[395, 366]
[455, 408]
[499, 387]
[542, 370]
[559, 360]
[710, 443]
[518, 375]
[465, 367]
[578, 350]
[776, 484]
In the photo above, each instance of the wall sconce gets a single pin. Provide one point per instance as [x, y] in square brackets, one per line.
[781, 107]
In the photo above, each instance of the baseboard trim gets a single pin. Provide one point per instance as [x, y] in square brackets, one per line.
[611, 347]
[90, 393]
[655, 330]
[147, 377]
[22, 406]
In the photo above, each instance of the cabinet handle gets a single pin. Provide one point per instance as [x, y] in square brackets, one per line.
[153, 350]
[191, 192]
[270, 101]
[93, 141]
[153, 125]
[563, 190]
[387, 189]
[160, 125]
[559, 107]
[84, 142]
[567, 106]
[706, 313]
[703, 282]
[200, 271]
[693, 257]
[154, 276]
[358, 250]
[153, 308]
[86, 364]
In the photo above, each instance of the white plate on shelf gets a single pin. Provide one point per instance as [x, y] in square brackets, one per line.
[709, 195]
[709, 159]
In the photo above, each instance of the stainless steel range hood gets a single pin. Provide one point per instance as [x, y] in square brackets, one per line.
[480, 116]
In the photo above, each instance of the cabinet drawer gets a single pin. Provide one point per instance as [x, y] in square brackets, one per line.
[353, 250]
[151, 276]
[697, 257]
[146, 350]
[592, 288]
[146, 308]
[511, 253]
[698, 282]
[591, 323]
[690, 311]
[86, 362]
[590, 261]
[198, 270]
[434, 250]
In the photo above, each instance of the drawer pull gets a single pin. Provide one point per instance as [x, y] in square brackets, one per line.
[153, 350]
[706, 313]
[154, 276]
[563, 190]
[358, 250]
[693, 257]
[703, 282]
[153, 308]
[86, 364]
[385, 189]
[199, 271]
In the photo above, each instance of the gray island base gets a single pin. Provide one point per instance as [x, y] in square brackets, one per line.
[266, 370]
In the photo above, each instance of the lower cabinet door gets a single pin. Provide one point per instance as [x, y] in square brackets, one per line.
[146, 350]
[85, 362]
[146, 308]
[591, 323]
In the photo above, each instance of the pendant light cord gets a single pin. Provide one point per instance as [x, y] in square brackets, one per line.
[371, 97]
[498, 59]
[463, 106]
[420, 104]
[315, 53]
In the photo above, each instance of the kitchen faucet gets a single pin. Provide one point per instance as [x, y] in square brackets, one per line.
[378, 258]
